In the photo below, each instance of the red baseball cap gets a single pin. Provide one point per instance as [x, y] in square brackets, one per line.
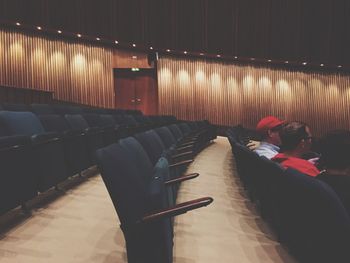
[268, 123]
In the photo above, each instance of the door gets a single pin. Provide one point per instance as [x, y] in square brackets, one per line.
[136, 90]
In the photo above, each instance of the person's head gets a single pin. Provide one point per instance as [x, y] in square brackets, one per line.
[335, 150]
[296, 137]
[269, 128]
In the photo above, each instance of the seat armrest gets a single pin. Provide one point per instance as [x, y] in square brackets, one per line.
[178, 209]
[75, 133]
[13, 142]
[181, 179]
[182, 154]
[187, 143]
[180, 163]
[179, 148]
[94, 130]
[39, 139]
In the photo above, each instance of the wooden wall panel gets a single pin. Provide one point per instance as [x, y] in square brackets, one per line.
[75, 72]
[228, 94]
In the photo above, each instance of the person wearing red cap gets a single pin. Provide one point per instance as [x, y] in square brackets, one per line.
[269, 128]
[296, 141]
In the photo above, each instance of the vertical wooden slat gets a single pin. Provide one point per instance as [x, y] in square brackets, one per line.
[229, 94]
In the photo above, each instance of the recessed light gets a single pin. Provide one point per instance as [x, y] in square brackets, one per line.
[269, 60]
[116, 42]
[339, 66]
[134, 45]
[59, 31]
[168, 50]
[98, 39]
[134, 57]
[304, 63]
[236, 57]
[252, 58]
[150, 47]
[38, 27]
[185, 52]
[18, 24]
[286, 61]
[78, 35]
[321, 65]
[202, 54]
[218, 56]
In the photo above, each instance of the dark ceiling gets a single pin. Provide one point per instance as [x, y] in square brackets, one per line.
[317, 31]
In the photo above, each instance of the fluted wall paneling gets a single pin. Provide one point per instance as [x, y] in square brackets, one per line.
[228, 94]
[75, 72]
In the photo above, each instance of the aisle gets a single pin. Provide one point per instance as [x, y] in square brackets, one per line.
[229, 230]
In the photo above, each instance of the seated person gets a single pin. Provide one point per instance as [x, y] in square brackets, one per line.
[335, 160]
[296, 141]
[269, 128]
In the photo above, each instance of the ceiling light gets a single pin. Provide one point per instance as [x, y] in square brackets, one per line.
[59, 31]
[38, 27]
[150, 47]
[269, 60]
[78, 35]
[321, 65]
[185, 52]
[134, 45]
[98, 39]
[286, 61]
[18, 24]
[339, 66]
[236, 57]
[134, 57]
[202, 54]
[168, 50]
[116, 42]
[304, 63]
[218, 56]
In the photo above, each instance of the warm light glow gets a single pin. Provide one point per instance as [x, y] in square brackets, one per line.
[200, 77]
[134, 45]
[184, 77]
[252, 58]
[218, 56]
[215, 80]
[286, 62]
[78, 35]
[17, 50]
[321, 65]
[304, 63]
[269, 60]
[135, 69]
[59, 31]
[185, 52]
[18, 24]
[236, 57]
[168, 50]
[201, 54]
[98, 39]
[265, 83]
[79, 64]
[116, 42]
[38, 27]
[248, 82]
[150, 47]
[339, 66]
[134, 57]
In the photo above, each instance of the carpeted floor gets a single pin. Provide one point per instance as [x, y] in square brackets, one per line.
[80, 224]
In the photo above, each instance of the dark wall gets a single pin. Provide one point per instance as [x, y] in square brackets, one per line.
[311, 30]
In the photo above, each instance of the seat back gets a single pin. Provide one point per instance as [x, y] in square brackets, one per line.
[166, 136]
[54, 123]
[39, 109]
[20, 123]
[76, 122]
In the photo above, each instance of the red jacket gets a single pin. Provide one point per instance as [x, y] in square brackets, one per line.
[299, 164]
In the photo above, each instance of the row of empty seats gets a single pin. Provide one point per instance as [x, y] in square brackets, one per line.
[306, 214]
[39, 150]
[143, 174]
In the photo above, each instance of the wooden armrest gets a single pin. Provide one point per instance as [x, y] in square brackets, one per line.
[182, 154]
[184, 148]
[180, 163]
[178, 209]
[181, 179]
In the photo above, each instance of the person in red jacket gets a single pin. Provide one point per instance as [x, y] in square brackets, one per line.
[296, 140]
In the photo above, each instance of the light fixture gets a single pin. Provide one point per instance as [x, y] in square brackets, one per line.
[38, 27]
[98, 39]
[135, 69]
[286, 61]
[185, 52]
[236, 57]
[304, 63]
[59, 31]
[340, 66]
[151, 48]
[321, 65]
[269, 60]
[252, 58]
[168, 50]
[218, 56]
[78, 35]
[134, 45]
[134, 57]
[201, 54]
[18, 24]
[116, 42]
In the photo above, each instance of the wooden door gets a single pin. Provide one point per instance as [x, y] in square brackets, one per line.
[136, 90]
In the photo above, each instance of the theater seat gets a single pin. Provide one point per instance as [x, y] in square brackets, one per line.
[46, 148]
[140, 199]
[17, 183]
